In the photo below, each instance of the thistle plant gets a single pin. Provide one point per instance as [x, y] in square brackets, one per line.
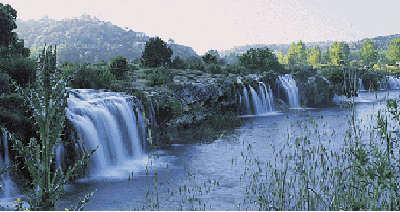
[48, 99]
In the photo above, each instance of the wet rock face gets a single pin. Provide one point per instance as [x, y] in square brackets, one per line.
[197, 101]
[190, 93]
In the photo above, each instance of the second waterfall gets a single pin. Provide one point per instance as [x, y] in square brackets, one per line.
[262, 102]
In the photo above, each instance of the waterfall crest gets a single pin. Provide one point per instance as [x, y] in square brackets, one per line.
[107, 120]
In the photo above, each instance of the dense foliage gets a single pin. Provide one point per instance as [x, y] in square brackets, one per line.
[10, 44]
[210, 59]
[156, 53]
[178, 63]
[22, 70]
[394, 50]
[160, 76]
[260, 60]
[119, 66]
[369, 52]
[88, 78]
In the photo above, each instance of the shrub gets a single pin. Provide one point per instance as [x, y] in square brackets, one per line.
[160, 76]
[22, 70]
[118, 66]
[87, 78]
[237, 69]
[215, 69]
[303, 73]
[5, 84]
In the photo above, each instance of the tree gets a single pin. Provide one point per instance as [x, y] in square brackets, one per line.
[7, 24]
[209, 58]
[291, 55]
[301, 56]
[394, 50]
[118, 66]
[156, 53]
[314, 57]
[338, 52]
[10, 44]
[194, 62]
[368, 52]
[178, 63]
[327, 57]
[259, 60]
[281, 58]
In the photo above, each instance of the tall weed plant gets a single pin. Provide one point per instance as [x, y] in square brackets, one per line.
[48, 98]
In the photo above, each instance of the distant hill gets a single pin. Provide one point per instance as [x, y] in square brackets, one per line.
[87, 39]
[182, 51]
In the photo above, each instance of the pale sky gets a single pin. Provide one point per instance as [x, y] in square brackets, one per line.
[223, 24]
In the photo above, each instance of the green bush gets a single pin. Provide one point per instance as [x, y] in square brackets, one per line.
[160, 76]
[118, 66]
[87, 78]
[302, 73]
[22, 70]
[237, 69]
[5, 84]
[269, 78]
[215, 69]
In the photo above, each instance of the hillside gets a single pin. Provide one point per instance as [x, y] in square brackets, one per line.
[87, 40]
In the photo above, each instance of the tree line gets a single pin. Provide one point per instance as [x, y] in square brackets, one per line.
[338, 54]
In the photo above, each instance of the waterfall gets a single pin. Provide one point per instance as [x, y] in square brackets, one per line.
[291, 89]
[256, 101]
[393, 82]
[107, 120]
[268, 98]
[8, 187]
[360, 85]
[246, 100]
[383, 84]
[153, 123]
[262, 102]
[59, 151]
[271, 98]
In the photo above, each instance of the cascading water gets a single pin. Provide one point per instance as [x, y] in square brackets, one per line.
[153, 123]
[246, 100]
[268, 98]
[291, 89]
[393, 82]
[263, 102]
[383, 85]
[59, 149]
[107, 120]
[360, 85]
[256, 101]
[8, 187]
